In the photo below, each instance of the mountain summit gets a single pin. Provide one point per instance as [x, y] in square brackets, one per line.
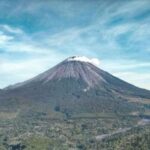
[73, 86]
[76, 67]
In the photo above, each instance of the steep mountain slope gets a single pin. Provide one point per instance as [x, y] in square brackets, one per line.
[74, 86]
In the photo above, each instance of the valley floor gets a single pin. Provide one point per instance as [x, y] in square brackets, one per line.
[41, 133]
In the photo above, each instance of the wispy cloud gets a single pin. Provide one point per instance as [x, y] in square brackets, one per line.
[10, 29]
[5, 38]
[41, 33]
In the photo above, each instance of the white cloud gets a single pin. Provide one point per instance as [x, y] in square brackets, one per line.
[5, 38]
[19, 42]
[11, 29]
[94, 61]
[34, 58]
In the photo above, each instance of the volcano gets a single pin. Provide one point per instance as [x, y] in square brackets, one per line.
[74, 86]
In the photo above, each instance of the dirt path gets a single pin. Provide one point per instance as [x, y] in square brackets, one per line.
[142, 122]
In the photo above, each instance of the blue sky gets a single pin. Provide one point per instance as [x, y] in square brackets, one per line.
[37, 34]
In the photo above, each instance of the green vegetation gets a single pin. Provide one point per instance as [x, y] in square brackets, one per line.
[36, 131]
[135, 139]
